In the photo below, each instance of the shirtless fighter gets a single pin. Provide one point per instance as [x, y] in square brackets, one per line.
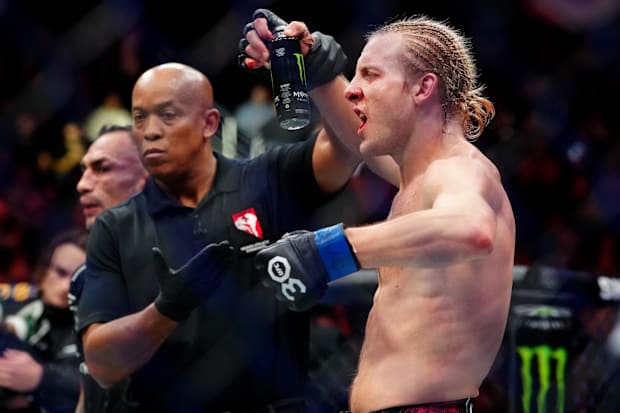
[444, 255]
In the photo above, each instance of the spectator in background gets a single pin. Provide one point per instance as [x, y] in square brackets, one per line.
[46, 378]
[255, 112]
[14, 262]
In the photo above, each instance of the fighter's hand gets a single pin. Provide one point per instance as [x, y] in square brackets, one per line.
[253, 51]
[299, 266]
[323, 55]
[183, 289]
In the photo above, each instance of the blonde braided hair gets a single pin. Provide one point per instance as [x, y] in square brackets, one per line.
[433, 46]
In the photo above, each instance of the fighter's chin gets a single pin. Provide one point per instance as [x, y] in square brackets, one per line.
[367, 150]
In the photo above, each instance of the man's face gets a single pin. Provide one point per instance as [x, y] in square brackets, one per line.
[169, 125]
[381, 93]
[111, 173]
[54, 285]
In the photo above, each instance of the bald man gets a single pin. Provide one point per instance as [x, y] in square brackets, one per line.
[171, 297]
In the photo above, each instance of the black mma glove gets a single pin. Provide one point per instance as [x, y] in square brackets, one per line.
[324, 61]
[183, 289]
[299, 266]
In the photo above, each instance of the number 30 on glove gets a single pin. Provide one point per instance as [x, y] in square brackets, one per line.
[299, 266]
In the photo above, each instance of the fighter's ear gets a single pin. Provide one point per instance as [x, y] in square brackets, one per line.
[425, 86]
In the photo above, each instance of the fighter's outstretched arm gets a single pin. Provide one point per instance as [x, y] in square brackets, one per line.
[458, 223]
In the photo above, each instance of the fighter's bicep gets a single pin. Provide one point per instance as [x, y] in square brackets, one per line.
[463, 202]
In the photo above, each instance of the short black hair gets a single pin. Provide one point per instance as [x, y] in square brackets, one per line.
[107, 128]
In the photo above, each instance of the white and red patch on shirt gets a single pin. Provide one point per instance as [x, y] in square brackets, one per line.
[247, 221]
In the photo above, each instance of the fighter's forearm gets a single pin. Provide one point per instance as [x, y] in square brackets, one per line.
[334, 158]
[424, 239]
[116, 349]
[338, 112]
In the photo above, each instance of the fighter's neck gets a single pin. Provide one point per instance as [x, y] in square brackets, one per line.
[425, 148]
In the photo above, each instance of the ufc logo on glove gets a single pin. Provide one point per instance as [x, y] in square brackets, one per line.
[279, 270]
[299, 265]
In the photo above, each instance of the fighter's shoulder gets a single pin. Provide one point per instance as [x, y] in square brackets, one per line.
[471, 161]
[446, 169]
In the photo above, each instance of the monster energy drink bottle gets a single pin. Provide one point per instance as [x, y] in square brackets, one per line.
[288, 79]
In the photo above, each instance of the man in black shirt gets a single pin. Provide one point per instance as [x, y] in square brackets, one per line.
[111, 173]
[171, 297]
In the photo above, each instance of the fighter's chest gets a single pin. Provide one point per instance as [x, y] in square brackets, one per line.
[407, 200]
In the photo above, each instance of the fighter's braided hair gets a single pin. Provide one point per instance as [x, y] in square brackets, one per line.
[433, 46]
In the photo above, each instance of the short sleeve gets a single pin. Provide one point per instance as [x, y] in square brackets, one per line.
[296, 174]
[104, 293]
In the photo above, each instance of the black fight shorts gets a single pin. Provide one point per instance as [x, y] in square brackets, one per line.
[457, 406]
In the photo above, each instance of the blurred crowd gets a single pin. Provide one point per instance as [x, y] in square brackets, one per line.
[556, 136]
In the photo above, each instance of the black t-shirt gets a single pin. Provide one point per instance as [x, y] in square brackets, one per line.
[241, 348]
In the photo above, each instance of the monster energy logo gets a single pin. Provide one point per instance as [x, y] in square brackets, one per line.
[544, 356]
[301, 67]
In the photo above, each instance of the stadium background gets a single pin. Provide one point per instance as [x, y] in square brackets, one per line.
[550, 66]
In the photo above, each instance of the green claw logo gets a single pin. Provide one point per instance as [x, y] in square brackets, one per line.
[544, 356]
[302, 68]
[543, 365]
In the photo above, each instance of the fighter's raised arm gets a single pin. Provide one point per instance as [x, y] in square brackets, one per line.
[337, 149]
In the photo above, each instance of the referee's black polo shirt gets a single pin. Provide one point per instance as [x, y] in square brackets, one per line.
[241, 348]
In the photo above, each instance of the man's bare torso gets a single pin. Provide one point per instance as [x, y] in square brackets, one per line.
[433, 332]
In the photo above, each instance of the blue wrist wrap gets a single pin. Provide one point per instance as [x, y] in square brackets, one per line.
[335, 252]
